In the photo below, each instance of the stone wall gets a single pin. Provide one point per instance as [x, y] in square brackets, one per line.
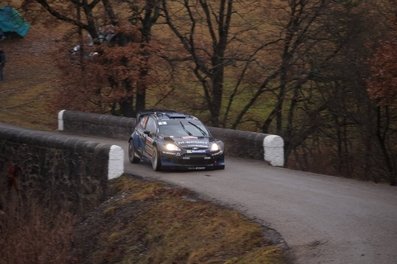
[244, 144]
[251, 145]
[57, 170]
[96, 124]
[240, 143]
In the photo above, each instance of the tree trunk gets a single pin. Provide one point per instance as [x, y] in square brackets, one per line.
[217, 92]
[382, 130]
[109, 12]
[126, 107]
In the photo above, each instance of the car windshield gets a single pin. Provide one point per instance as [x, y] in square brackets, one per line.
[182, 128]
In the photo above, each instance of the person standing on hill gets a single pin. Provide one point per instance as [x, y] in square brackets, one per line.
[2, 63]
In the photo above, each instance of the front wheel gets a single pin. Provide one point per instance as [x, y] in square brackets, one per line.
[131, 153]
[156, 163]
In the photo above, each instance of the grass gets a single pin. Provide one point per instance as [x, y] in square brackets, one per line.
[32, 234]
[150, 222]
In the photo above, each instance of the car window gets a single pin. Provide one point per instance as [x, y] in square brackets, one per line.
[143, 122]
[182, 128]
[151, 125]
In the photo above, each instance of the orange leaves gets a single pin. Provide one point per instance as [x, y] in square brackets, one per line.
[382, 84]
[120, 63]
[102, 75]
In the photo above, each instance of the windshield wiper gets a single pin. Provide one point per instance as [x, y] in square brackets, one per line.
[199, 128]
[184, 128]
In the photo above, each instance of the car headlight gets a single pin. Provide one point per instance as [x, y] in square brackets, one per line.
[172, 147]
[214, 147]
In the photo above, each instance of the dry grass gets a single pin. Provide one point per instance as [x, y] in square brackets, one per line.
[149, 222]
[32, 234]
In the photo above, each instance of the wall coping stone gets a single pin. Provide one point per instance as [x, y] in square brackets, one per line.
[116, 162]
[274, 150]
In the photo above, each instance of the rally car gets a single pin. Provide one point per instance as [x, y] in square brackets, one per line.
[173, 140]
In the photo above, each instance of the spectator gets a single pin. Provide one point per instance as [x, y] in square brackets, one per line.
[2, 63]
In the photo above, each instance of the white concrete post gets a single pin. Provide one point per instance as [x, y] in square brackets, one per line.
[273, 146]
[60, 120]
[116, 162]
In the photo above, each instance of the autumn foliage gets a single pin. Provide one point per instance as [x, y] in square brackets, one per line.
[382, 85]
[105, 73]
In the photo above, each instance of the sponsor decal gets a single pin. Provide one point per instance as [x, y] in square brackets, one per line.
[194, 142]
[189, 137]
[196, 151]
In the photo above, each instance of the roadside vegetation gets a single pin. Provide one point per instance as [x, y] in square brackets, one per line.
[150, 222]
[30, 233]
[140, 222]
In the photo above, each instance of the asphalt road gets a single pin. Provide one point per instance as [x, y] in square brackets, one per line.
[323, 219]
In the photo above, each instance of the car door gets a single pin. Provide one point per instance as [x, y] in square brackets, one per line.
[139, 135]
[150, 135]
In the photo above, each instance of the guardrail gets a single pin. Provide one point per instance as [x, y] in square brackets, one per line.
[56, 168]
[238, 143]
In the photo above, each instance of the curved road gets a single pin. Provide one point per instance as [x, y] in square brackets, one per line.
[323, 219]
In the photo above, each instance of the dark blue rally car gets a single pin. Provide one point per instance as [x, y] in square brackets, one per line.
[172, 140]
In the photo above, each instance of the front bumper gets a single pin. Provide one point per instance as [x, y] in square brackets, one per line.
[192, 161]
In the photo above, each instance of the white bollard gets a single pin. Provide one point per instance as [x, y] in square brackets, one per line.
[60, 120]
[116, 162]
[273, 146]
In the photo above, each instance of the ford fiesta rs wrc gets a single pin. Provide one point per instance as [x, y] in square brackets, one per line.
[172, 140]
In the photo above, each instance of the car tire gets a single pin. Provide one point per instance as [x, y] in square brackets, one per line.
[156, 162]
[131, 153]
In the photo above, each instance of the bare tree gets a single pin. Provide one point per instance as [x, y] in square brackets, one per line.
[304, 48]
[209, 64]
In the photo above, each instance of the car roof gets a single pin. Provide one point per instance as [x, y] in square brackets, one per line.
[161, 114]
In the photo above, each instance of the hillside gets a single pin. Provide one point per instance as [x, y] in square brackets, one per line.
[30, 79]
